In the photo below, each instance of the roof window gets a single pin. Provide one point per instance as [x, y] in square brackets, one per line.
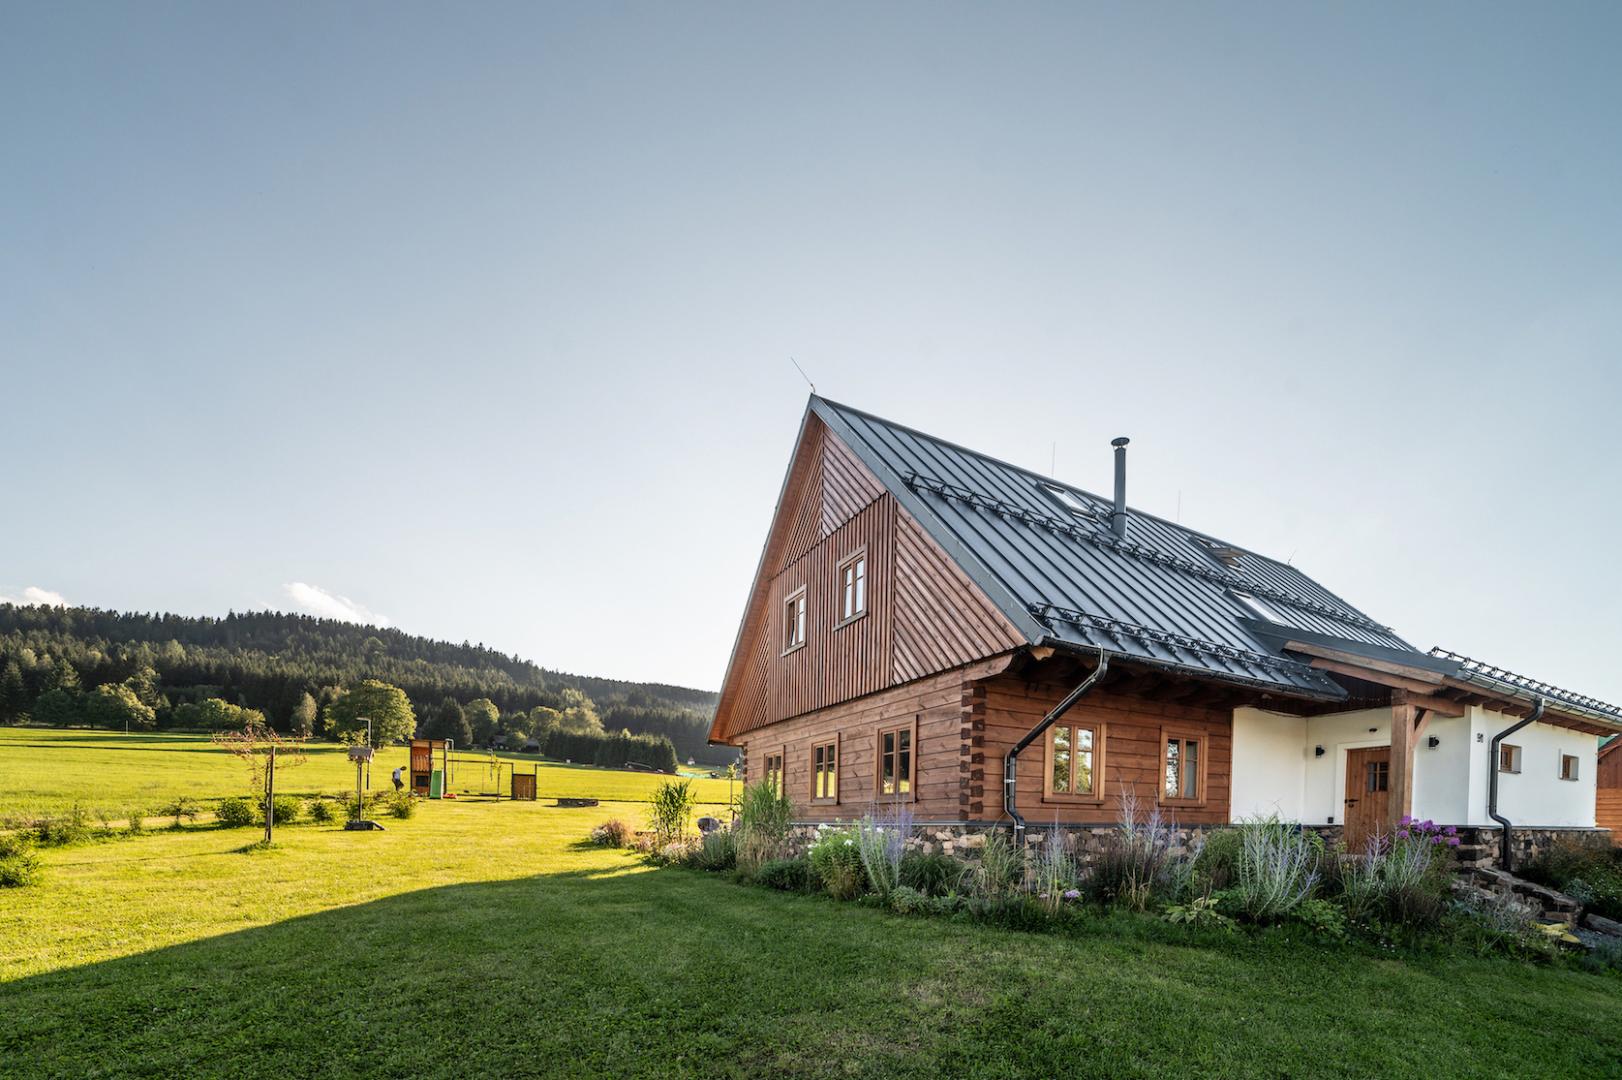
[1071, 501]
[1225, 554]
[1261, 608]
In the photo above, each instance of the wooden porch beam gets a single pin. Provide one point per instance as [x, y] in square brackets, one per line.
[1363, 665]
[1430, 703]
[1404, 719]
[1383, 678]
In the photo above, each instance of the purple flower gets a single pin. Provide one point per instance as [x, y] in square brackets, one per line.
[1453, 841]
[1402, 834]
[1072, 894]
[1452, 830]
[1407, 819]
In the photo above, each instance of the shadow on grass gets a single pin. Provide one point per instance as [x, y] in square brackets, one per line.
[625, 971]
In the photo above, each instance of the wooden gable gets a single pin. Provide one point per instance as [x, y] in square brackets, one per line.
[923, 614]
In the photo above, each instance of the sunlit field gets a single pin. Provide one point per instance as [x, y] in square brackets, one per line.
[46, 771]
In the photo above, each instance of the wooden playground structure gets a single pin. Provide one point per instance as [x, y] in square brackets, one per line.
[439, 772]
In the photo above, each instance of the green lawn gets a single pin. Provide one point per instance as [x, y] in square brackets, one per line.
[45, 771]
[482, 938]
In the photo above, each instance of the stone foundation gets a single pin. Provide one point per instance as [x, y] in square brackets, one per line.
[1478, 845]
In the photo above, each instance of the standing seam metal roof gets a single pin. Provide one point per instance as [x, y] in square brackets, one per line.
[1160, 596]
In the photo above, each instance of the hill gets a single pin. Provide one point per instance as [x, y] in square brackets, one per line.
[277, 662]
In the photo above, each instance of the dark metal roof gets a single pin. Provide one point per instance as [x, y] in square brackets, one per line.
[1164, 595]
[1490, 677]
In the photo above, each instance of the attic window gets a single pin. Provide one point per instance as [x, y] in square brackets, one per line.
[1260, 607]
[1070, 501]
[1223, 553]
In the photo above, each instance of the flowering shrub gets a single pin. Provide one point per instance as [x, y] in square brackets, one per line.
[1426, 832]
[1277, 869]
[611, 833]
[881, 846]
[836, 856]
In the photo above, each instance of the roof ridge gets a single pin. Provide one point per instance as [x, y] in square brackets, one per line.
[1044, 478]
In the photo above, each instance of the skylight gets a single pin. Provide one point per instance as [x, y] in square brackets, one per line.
[1225, 554]
[1070, 501]
[1260, 607]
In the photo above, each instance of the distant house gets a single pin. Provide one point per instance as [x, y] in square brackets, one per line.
[985, 645]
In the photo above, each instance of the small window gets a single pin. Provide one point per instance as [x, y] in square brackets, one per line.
[1073, 760]
[895, 761]
[1379, 778]
[1183, 769]
[794, 620]
[825, 772]
[1222, 553]
[1509, 758]
[1259, 607]
[1568, 766]
[853, 587]
[1071, 501]
[774, 771]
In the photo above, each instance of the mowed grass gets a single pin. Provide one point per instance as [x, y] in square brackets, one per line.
[484, 939]
[46, 771]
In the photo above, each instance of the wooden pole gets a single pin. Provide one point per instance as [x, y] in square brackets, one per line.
[270, 796]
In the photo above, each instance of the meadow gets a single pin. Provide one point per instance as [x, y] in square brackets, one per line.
[46, 771]
[479, 937]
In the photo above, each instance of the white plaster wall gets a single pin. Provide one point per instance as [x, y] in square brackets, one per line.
[1536, 796]
[1326, 773]
[1269, 764]
[1442, 781]
[1276, 768]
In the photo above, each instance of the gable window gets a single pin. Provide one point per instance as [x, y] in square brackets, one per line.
[853, 587]
[896, 761]
[1183, 768]
[1075, 761]
[774, 771]
[825, 772]
[1509, 758]
[1568, 766]
[794, 620]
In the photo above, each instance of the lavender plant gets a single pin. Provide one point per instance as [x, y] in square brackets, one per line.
[881, 842]
[1277, 872]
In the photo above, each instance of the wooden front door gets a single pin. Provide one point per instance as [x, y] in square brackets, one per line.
[1368, 794]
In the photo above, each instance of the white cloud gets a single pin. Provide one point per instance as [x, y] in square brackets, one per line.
[36, 595]
[314, 600]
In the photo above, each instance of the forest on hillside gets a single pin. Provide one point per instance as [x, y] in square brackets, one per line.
[170, 670]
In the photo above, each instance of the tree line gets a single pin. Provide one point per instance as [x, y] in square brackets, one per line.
[85, 666]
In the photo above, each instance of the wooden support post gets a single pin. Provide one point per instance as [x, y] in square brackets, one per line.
[1403, 739]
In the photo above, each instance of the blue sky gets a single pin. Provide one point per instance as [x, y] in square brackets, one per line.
[479, 315]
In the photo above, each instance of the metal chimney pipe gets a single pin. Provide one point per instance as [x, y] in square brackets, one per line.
[1117, 519]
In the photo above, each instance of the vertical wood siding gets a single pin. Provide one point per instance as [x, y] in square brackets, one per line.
[1608, 793]
[942, 619]
[923, 614]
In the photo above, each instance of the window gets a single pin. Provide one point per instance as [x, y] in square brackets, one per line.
[1184, 769]
[1259, 607]
[1509, 758]
[774, 771]
[1070, 501]
[1379, 778]
[1223, 553]
[825, 772]
[1568, 766]
[1075, 761]
[895, 761]
[853, 587]
[794, 620]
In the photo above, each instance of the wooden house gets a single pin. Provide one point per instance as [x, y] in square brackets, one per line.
[932, 626]
[1608, 782]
